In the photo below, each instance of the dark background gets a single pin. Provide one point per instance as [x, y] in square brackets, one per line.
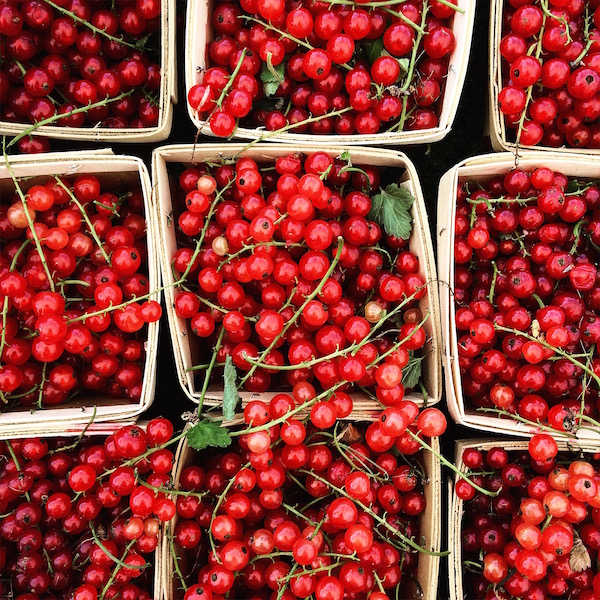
[432, 161]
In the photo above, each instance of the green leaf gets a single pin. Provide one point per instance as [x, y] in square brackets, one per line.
[404, 64]
[411, 374]
[345, 156]
[206, 434]
[230, 392]
[272, 77]
[391, 209]
[374, 49]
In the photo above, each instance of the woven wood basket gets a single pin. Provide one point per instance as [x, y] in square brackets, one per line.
[112, 171]
[483, 168]
[199, 34]
[187, 347]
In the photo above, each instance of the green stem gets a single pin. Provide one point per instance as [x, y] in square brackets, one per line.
[118, 561]
[115, 559]
[289, 127]
[296, 512]
[538, 52]
[448, 464]
[408, 541]
[78, 440]
[297, 314]
[290, 413]
[415, 48]
[493, 286]
[87, 24]
[544, 343]
[210, 369]
[517, 417]
[57, 117]
[231, 79]
[176, 563]
[283, 34]
[34, 234]
[84, 214]
[6, 302]
[383, 4]
[41, 392]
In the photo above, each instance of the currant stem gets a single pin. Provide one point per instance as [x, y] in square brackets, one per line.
[231, 79]
[291, 509]
[493, 286]
[30, 223]
[78, 440]
[110, 555]
[6, 302]
[416, 43]
[544, 343]
[450, 465]
[115, 559]
[289, 127]
[210, 369]
[375, 516]
[283, 34]
[57, 117]
[521, 419]
[87, 24]
[84, 214]
[164, 490]
[383, 4]
[176, 563]
[297, 314]
[290, 413]
[538, 52]
[41, 392]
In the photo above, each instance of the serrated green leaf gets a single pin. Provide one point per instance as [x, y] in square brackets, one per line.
[391, 209]
[411, 374]
[230, 392]
[205, 434]
[272, 78]
[404, 64]
[374, 49]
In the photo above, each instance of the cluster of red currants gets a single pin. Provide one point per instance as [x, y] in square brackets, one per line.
[61, 56]
[287, 273]
[81, 521]
[527, 296]
[539, 537]
[298, 510]
[340, 68]
[551, 72]
[72, 284]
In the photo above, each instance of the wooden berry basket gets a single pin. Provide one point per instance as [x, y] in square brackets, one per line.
[104, 430]
[483, 168]
[74, 416]
[167, 99]
[455, 504]
[198, 34]
[430, 531]
[497, 128]
[187, 347]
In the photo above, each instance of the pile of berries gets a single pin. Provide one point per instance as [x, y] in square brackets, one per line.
[527, 297]
[340, 68]
[73, 279]
[538, 538]
[296, 511]
[64, 55]
[285, 271]
[82, 520]
[551, 72]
